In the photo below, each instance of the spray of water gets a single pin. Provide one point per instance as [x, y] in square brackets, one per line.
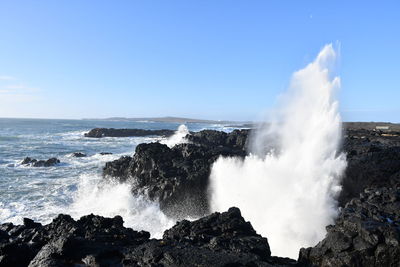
[178, 137]
[287, 186]
[107, 198]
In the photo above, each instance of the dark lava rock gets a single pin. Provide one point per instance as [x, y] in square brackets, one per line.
[65, 242]
[221, 239]
[40, 163]
[78, 154]
[366, 233]
[111, 132]
[105, 153]
[177, 177]
[373, 160]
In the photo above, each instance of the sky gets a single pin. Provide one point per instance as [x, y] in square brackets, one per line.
[209, 59]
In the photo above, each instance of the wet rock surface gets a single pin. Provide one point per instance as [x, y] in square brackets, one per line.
[221, 239]
[177, 177]
[78, 155]
[40, 163]
[111, 132]
[366, 233]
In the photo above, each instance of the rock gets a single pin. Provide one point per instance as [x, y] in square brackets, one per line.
[220, 239]
[177, 177]
[111, 132]
[373, 160]
[228, 231]
[78, 154]
[366, 233]
[40, 163]
[105, 153]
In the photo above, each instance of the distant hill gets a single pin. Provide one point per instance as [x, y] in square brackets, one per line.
[249, 124]
[174, 120]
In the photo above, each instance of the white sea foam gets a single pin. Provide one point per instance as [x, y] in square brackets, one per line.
[287, 187]
[178, 137]
[109, 199]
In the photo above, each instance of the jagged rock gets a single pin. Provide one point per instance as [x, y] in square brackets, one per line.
[40, 163]
[221, 239]
[111, 132]
[78, 154]
[373, 160]
[177, 177]
[366, 233]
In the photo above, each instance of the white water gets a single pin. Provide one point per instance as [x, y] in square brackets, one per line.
[178, 137]
[287, 187]
[109, 199]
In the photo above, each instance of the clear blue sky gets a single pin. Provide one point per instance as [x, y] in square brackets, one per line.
[206, 59]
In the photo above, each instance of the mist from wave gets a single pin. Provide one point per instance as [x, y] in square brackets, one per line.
[287, 186]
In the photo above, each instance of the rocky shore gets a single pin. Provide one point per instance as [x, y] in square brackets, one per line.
[366, 232]
[220, 239]
[178, 177]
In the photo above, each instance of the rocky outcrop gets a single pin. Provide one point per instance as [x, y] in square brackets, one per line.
[373, 160]
[105, 153]
[111, 132]
[40, 163]
[221, 239]
[165, 174]
[366, 233]
[177, 177]
[78, 155]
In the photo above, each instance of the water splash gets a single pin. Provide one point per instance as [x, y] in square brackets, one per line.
[178, 137]
[287, 186]
[108, 198]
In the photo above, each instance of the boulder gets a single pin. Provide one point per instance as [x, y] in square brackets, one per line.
[78, 154]
[40, 163]
[105, 153]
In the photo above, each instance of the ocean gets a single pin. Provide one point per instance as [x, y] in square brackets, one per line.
[75, 186]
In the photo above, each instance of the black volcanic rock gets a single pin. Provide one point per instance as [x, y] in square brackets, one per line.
[40, 163]
[177, 177]
[221, 239]
[366, 233]
[105, 153]
[373, 160]
[227, 231]
[111, 132]
[78, 154]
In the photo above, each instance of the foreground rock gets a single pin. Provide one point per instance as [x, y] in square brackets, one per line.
[367, 233]
[221, 239]
[111, 132]
[177, 177]
[40, 163]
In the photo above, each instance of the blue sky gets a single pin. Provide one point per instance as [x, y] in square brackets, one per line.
[204, 59]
